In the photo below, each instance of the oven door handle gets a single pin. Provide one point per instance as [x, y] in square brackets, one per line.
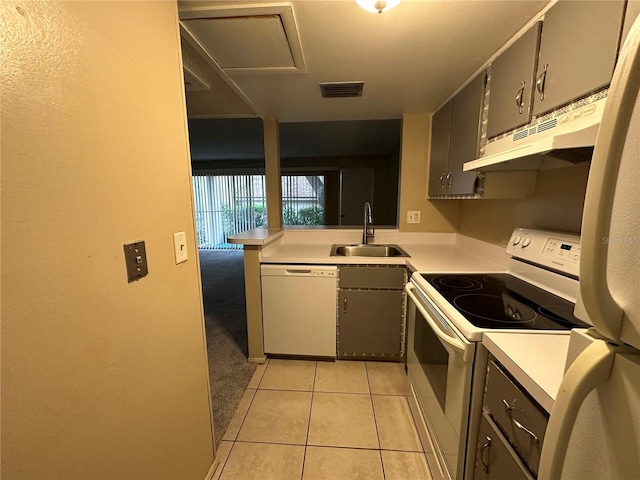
[455, 343]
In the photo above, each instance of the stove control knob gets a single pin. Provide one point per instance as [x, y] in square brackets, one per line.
[515, 240]
[526, 241]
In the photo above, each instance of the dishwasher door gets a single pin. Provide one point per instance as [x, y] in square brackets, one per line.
[299, 309]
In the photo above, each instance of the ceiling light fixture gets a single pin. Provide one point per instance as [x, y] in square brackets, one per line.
[377, 5]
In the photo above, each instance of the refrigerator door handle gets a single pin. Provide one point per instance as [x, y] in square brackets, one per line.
[590, 369]
[603, 311]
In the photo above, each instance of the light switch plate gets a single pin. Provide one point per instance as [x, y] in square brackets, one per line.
[413, 216]
[180, 246]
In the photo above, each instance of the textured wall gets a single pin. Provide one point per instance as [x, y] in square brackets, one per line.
[100, 378]
[556, 205]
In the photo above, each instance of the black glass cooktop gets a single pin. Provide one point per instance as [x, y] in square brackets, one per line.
[503, 301]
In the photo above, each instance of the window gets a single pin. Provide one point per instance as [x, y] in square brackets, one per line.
[303, 199]
[230, 204]
[226, 205]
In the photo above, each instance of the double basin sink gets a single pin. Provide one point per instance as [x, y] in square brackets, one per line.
[369, 250]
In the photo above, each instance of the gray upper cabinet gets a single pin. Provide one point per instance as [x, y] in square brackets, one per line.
[466, 117]
[512, 84]
[439, 166]
[455, 140]
[578, 51]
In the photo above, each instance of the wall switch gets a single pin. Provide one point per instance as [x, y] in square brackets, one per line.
[180, 246]
[135, 257]
[413, 216]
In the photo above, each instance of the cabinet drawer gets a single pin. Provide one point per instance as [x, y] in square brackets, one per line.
[520, 418]
[372, 277]
[495, 459]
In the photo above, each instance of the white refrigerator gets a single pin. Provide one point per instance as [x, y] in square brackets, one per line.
[594, 426]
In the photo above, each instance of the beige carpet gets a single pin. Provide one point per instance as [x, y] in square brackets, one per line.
[226, 327]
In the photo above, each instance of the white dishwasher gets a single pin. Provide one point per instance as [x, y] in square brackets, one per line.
[299, 309]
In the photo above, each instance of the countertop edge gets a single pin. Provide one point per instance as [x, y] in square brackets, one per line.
[257, 236]
[500, 345]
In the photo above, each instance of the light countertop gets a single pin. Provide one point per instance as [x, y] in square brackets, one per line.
[535, 360]
[433, 252]
[257, 236]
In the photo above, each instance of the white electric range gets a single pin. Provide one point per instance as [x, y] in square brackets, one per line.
[447, 316]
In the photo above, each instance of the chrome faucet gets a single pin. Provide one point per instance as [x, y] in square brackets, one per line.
[367, 232]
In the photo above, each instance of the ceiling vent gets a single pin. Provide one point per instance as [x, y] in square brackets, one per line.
[341, 89]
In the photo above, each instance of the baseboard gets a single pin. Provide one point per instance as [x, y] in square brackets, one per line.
[212, 469]
[257, 359]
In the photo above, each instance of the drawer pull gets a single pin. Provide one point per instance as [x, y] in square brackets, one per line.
[509, 409]
[525, 429]
[487, 447]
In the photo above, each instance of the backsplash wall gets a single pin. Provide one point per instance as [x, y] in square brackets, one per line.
[556, 205]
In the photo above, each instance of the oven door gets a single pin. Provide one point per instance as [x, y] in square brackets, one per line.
[440, 367]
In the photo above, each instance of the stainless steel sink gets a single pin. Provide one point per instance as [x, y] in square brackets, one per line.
[367, 251]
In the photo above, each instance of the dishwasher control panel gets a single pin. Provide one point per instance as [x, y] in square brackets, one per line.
[323, 273]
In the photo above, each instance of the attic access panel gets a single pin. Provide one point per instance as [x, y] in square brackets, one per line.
[248, 40]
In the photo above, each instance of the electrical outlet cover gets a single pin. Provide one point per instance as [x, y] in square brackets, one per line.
[135, 257]
[413, 216]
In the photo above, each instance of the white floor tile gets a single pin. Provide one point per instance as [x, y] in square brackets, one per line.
[342, 420]
[277, 417]
[289, 375]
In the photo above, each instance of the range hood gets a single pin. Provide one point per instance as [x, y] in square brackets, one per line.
[560, 141]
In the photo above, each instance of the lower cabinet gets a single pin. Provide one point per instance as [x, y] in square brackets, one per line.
[512, 429]
[496, 460]
[371, 312]
[370, 323]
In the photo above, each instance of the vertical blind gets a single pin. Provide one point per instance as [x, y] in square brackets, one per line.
[226, 205]
[303, 199]
[230, 204]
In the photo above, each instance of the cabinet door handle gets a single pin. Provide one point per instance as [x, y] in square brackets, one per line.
[520, 98]
[442, 181]
[449, 180]
[540, 81]
[345, 304]
[487, 447]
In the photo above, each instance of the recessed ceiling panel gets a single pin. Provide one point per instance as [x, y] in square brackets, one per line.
[246, 39]
[244, 42]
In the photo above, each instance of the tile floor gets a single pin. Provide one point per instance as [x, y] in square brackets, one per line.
[306, 420]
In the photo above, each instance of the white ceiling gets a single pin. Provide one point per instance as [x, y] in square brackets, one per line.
[411, 58]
